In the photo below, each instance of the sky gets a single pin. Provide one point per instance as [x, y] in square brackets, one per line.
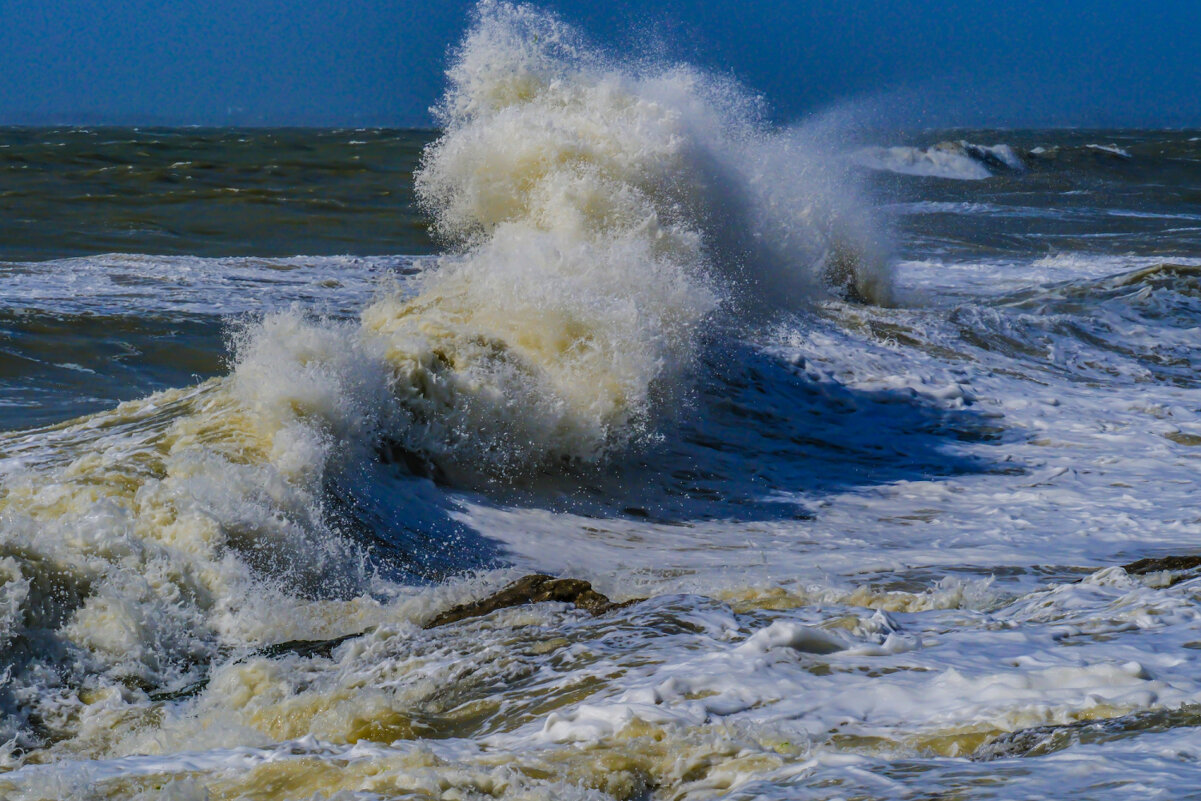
[920, 63]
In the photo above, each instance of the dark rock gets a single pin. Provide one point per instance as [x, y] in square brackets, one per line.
[841, 272]
[182, 693]
[526, 590]
[305, 649]
[1145, 566]
[1179, 568]
[533, 589]
[1043, 740]
[392, 452]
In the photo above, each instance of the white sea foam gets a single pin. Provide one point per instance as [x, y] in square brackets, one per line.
[122, 284]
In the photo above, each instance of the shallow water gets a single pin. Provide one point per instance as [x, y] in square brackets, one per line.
[872, 445]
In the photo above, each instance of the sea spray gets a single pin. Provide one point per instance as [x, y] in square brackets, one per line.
[600, 220]
[603, 215]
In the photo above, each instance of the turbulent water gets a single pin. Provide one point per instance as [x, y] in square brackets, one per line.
[871, 428]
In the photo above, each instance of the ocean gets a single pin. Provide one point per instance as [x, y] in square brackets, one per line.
[883, 451]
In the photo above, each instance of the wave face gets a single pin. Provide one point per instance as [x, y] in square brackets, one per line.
[601, 219]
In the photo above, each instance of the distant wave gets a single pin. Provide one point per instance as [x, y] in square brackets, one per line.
[957, 160]
[966, 161]
[1112, 150]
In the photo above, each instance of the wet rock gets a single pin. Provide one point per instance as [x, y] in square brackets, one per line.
[1173, 569]
[181, 693]
[305, 649]
[1167, 570]
[1042, 740]
[526, 590]
[392, 452]
[533, 589]
[1145, 566]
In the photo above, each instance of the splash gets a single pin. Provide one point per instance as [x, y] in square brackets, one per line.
[600, 219]
[603, 215]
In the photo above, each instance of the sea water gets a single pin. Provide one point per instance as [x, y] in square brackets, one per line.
[871, 427]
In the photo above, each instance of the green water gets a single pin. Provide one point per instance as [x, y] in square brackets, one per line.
[72, 192]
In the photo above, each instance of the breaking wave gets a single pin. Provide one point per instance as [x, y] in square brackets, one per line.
[600, 218]
[967, 161]
[957, 160]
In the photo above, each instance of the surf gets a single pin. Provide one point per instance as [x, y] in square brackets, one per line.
[600, 219]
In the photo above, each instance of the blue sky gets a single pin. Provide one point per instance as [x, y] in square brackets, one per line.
[380, 62]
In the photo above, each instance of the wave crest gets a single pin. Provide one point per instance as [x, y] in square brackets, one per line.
[602, 215]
